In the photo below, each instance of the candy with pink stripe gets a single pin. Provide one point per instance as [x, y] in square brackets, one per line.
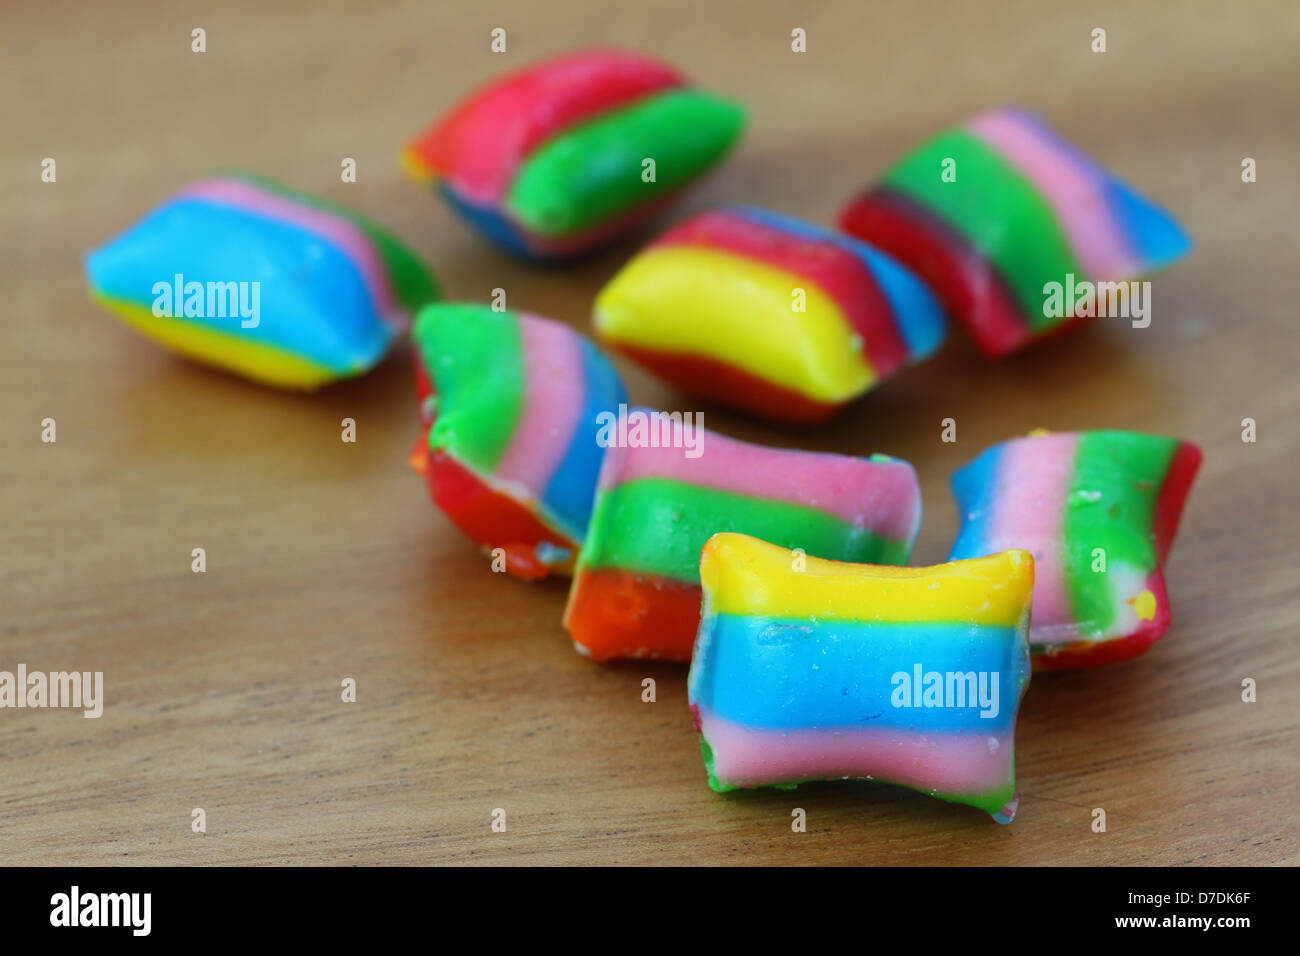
[806, 669]
[253, 277]
[1098, 510]
[1017, 231]
[511, 405]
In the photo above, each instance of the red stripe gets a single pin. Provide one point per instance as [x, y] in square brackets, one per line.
[728, 385]
[1184, 464]
[963, 279]
[839, 273]
[1083, 654]
[614, 613]
[480, 144]
[490, 518]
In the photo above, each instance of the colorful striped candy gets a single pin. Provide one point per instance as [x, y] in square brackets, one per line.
[1026, 209]
[823, 670]
[636, 590]
[510, 403]
[1098, 511]
[253, 277]
[768, 314]
[552, 161]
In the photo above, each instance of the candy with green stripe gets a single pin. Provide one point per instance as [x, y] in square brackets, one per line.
[658, 526]
[1098, 510]
[599, 171]
[1017, 231]
[995, 208]
[636, 589]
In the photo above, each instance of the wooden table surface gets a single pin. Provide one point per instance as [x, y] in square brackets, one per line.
[325, 560]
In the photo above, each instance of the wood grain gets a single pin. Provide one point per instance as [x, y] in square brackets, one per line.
[325, 560]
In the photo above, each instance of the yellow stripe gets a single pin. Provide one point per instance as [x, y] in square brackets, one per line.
[416, 167]
[746, 576]
[256, 360]
[732, 309]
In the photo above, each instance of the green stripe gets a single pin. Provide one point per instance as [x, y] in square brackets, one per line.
[1111, 505]
[658, 526]
[474, 357]
[592, 172]
[413, 284]
[994, 207]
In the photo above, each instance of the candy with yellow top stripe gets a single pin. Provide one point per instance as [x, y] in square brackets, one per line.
[768, 314]
[806, 669]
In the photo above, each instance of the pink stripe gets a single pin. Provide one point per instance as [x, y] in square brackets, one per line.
[1033, 481]
[335, 229]
[553, 392]
[882, 496]
[952, 764]
[1069, 187]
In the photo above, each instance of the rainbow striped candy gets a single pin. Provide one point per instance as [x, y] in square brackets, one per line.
[510, 404]
[1026, 209]
[1098, 510]
[824, 670]
[768, 314]
[329, 288]
[553, 160]
[636, 589]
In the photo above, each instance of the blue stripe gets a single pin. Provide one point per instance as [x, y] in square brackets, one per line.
[767, 673]
[570, 493]
[974, 487]
[1158, 239]
[1155, 236]
[488, 221]
[502, 230]
[917, 313]
[313, 299]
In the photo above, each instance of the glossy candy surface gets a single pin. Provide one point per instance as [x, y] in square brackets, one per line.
[1098, 510]
[1019, 208]
[550, 161]
[824, 670]
[636, 590]
[510, 403]
[769, 314]
[250, 276]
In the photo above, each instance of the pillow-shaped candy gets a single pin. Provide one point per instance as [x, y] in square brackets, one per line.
[827, 670]
[1098, 511]
[663, 492]
[512, 405]
[253, 277]
[769, 314]
[1003, 217]
[555, 159]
